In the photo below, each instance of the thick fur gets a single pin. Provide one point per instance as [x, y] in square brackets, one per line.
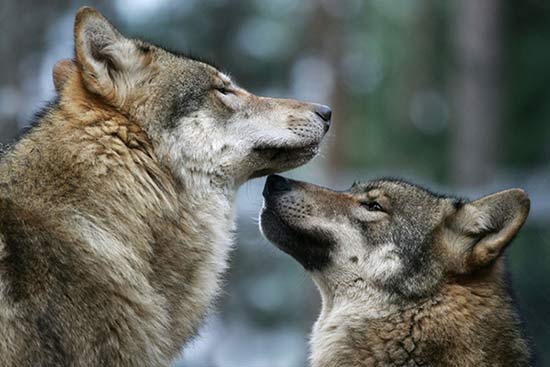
[116, 209]
[407, 277]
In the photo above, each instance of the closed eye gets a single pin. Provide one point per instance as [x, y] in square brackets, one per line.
[228, 96]
[224, 90]
[372, 206]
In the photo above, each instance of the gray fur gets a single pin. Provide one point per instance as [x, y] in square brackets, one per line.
[116, 209]
[407, 277]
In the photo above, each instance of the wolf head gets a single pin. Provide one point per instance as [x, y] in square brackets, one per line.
[202, 124]
[388, 236]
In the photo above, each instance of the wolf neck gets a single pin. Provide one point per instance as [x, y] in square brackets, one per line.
[457, 327]
[205, 185]
[180, 226]
[370, 302]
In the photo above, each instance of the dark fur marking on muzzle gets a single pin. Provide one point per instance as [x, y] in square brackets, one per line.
[311, 249]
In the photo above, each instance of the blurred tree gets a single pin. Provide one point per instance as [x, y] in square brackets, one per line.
[327, 38]
[476, 131]
[526, 94]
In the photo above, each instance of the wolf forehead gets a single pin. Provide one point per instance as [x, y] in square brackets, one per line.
[198, 71]
[395, 186]
[187, 79]
[194, 62]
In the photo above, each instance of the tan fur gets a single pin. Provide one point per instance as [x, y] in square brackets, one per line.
[468, 323]
[92, 172]
[116, 210]
[62, 71]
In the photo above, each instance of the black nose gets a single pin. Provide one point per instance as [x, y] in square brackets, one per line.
[325, 113]
[276, 184]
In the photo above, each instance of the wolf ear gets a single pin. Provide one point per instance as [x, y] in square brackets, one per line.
[62, 71]
[103, 54]
[480, 230]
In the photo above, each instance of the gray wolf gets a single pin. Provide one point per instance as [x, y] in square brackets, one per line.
[407, 277]
[116, 208]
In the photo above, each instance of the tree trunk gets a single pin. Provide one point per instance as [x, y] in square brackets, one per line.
[477, 102]
[329, 41]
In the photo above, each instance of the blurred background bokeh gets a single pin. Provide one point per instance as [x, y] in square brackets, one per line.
[451, 94]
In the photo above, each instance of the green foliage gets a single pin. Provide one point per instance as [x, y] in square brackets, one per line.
[526, 134]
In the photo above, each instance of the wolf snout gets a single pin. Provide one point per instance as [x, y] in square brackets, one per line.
[276, 184]
[325, 113]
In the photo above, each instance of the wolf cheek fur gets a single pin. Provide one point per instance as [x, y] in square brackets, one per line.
[407, 277]
[117, 207]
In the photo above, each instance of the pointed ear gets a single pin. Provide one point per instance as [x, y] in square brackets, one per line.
[103, 54]
[62, 71]
[482, 228]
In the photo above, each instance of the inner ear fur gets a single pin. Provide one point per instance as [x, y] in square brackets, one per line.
[479, 231]
[108, 61]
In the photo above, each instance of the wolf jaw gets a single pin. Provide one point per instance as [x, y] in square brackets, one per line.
[406, 277]
[138, 164]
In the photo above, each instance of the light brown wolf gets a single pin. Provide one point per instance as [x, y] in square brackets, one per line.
[407, 277]
[116, 209]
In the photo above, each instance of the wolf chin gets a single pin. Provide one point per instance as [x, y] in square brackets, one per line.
[407, 277]
[116, 209]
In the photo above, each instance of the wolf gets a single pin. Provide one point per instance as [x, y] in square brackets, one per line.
[116, 208]
[407, 277]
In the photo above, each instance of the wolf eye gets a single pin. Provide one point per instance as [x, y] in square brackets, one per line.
[224, 90]
[228, 96]
[372, 206]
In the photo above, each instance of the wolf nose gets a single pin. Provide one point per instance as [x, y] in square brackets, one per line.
[325, 113]
[276, 184]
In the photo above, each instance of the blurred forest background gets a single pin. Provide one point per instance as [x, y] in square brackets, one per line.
[452, 94]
